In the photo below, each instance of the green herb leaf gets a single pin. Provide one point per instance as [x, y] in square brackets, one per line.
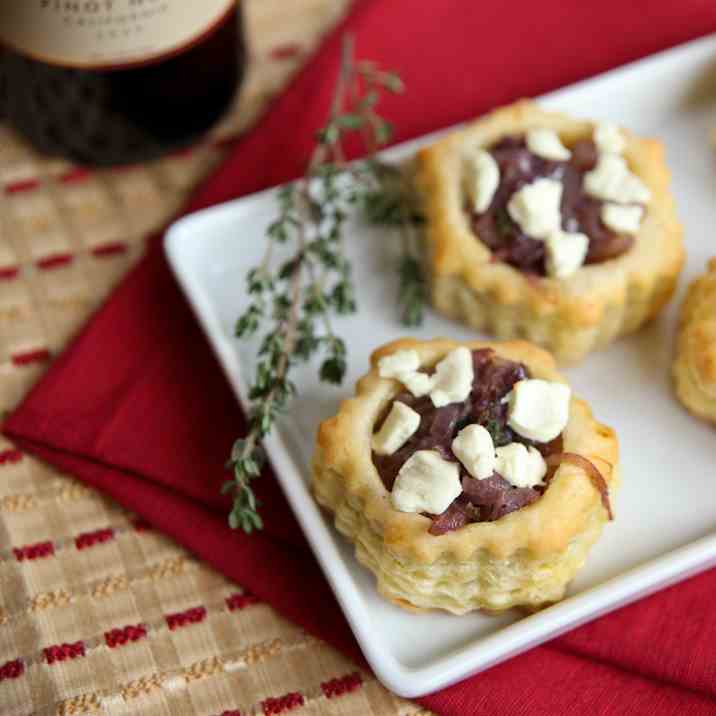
[384, 132]
[393, 82]
[497, 432]
[329, 134]
[333, 370]
[503, 222]
[368, 101]
[412, 292]
[350, 121]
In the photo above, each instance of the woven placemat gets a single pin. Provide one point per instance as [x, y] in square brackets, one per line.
[98, 613]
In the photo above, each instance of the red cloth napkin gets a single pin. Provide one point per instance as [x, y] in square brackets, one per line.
[138, 407]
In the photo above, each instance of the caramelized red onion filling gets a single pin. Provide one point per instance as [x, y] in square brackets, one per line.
[482, 500]
[580, 212]
[494, 497]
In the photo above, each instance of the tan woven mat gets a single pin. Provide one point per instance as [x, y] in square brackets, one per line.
[99, 614]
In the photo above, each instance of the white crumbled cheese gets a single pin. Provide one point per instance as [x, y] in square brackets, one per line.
[474, 448]
[426, 483]
[482, 177]
[536, 207]
[609, 139]
[538, 409]
[520, 466]
[546, 143]
[395, 364]
[396, 430]
[403, 366]
[611, 180]
[622, 219]
[565, 253]
[417, 383]
[452, 380]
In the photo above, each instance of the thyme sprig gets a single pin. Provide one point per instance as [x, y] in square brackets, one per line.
[298, 297]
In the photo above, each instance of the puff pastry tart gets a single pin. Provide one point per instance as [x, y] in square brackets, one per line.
[548, 228]
[467, 475]
[695, 364]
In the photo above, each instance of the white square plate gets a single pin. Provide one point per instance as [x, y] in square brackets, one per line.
[666, 510]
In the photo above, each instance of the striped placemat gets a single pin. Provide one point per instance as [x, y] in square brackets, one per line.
[98, 613]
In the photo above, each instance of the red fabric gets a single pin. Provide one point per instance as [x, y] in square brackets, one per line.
[137, 406]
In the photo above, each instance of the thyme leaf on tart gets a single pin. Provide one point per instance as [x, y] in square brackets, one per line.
[295, 297]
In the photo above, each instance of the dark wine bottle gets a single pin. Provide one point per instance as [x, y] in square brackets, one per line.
[106, 82]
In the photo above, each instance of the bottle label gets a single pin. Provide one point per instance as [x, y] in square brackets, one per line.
[103, 34]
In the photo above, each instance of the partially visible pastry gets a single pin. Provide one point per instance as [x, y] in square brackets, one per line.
[467, 475]
[695, 364]
[544, 227]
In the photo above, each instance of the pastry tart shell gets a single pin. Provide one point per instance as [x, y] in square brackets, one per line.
[694, 368]
[526, 558]
[570, 316]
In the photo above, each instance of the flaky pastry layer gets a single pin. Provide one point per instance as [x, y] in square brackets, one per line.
[569, 316]
[526, 558]
[694, 368]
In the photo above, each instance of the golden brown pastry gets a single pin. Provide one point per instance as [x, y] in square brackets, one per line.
[470, 479]
[695, 364]
[544, 227]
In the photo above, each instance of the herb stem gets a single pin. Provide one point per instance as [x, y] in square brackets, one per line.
[299, 297]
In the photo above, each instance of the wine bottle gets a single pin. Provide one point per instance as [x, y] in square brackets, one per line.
[118, 81]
